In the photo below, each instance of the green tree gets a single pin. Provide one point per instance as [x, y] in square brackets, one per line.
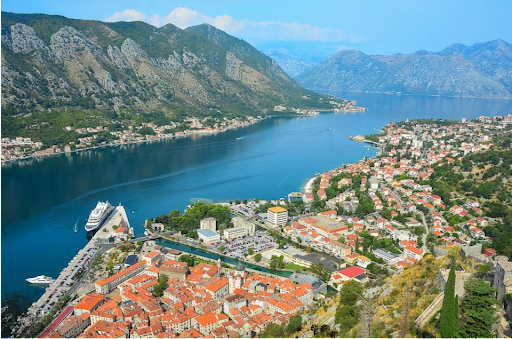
[294, 325]
[188, 259]
[280, 262]
[478, 309]
[159, 288]
[222, 249]
[448, 322]
[273, 331]
[251, 251]
[257, 257]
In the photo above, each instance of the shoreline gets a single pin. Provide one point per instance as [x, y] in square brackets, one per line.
[170, 137]
[308, 187]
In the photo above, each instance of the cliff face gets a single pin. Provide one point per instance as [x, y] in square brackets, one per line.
[480, 70]
[51, 62]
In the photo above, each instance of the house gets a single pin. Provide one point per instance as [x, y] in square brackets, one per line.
[352, 273]
[413, 252]
[490, 252]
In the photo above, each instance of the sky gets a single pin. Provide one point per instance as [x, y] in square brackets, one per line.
[319, 26]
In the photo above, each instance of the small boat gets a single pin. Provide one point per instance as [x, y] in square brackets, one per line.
[76, 225]
[40, 280]
[133, 212]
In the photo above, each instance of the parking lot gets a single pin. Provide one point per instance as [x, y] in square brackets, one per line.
[259, 243]
[65, 279]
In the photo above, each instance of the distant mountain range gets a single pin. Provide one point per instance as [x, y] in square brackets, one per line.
[479, 70]
[52, 62]
[295, 62]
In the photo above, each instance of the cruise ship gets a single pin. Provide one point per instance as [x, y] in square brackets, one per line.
[98, 216]
[40, 280]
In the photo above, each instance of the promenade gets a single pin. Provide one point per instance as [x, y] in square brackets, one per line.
[69, 279]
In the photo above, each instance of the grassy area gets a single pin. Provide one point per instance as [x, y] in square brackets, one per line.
[296, 268]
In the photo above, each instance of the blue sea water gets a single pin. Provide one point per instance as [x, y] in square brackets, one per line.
[42, 200]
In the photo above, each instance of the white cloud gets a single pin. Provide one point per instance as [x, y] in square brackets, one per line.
[253, 31]
[126, 15]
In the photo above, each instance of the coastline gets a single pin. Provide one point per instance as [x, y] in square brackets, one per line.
[145, 140]
[184, 134]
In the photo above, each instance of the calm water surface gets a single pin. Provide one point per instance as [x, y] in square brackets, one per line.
[42, 200]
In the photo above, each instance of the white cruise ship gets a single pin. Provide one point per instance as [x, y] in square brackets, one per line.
[98, 216]
[40, 280]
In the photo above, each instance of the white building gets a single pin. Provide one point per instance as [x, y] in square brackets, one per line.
[209, 224]
[240, 231]
[277, 216]
[208, 236]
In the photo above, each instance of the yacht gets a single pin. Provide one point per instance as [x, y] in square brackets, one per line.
[40, 280]
[98, 216]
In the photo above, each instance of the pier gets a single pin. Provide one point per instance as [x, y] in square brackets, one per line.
[69, 279]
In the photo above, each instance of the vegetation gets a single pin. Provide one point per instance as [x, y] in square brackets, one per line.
[188, 259]
[347, 312]
[189, 222]
[294, 325]
[159, 288]
[273, 331]
[478, 311]
[448, 321]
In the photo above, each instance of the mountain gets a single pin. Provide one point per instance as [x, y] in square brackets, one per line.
[293, 64]
[54, 63]
[480, 70]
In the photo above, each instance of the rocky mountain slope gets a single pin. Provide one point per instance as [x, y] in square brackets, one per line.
[480, 70]
[52, 62]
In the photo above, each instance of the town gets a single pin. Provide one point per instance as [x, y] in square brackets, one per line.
[364, 222]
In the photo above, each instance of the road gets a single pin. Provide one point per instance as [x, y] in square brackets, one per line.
[424, 236]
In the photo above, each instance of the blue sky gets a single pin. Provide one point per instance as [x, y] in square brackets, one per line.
[374, 27]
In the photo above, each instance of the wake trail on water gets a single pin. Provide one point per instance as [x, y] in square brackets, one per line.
[282, 181]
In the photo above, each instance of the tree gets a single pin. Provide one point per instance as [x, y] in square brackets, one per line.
[294, 325]
[188, 259]
[273, 331]
[159, 288]
[280, 262]
[478, 309]
[256, 200]
[257, 257]
[448, 322]
[222, 249]
[251, 251]
[347, 313]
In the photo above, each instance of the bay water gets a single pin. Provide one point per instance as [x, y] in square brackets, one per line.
[42, 200]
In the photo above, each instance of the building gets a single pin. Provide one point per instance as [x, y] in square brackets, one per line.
[105, 286]
[502, 278]
[73, 326]
[208, 236]
[131, 260]
[208, 322]
[237, 278]
[174, 269]
[209, 224]
[351, 273]
[387, 256]
[89, 303]
[277, 216]
[241, 231]
[413, 252]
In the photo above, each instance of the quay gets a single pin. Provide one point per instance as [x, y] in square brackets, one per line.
[68, 281]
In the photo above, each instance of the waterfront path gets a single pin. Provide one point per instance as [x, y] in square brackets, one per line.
[69, 279]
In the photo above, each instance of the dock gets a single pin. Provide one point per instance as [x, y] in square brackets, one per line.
[69, 279]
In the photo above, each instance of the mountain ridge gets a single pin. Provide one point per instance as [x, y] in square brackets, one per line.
[479, 70]
[53, 62]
